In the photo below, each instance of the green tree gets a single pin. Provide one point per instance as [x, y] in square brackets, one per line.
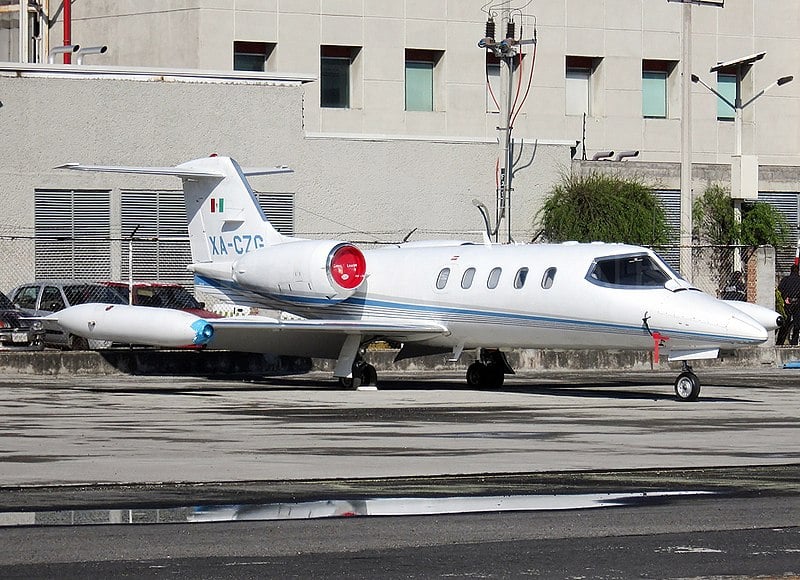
[714, 221]
[603, 208]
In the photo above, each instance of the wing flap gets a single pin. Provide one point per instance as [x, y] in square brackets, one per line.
[315, 338]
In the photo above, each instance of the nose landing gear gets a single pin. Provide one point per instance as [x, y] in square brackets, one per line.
[687, 385]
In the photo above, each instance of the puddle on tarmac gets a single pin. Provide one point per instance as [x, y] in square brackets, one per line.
[335, 508]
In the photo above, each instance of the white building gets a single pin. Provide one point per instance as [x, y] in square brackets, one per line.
[392, 126]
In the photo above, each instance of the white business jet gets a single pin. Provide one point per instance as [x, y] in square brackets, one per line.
[436, 297]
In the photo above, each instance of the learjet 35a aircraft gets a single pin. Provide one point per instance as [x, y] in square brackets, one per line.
[433, 297]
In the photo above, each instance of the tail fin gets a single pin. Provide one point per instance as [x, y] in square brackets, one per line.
[225, 219]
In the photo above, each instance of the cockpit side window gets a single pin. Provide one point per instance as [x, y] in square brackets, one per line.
[633, 271]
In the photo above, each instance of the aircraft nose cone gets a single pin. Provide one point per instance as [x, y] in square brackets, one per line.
[746, 329]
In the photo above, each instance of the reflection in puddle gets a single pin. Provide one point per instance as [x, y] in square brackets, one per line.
[406, 506]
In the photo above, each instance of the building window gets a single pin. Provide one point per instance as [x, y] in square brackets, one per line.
[420, 79]
[578, 73]
[335, 76]
[726, 85]
[654, 88]
[252, 56]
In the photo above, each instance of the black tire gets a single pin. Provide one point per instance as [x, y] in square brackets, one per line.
[369, 376]
[483, 376]
[494, 377]
[77, 343]
[350, 382]
[475, 374]
[687, 386]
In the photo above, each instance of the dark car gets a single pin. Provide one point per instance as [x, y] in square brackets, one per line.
[45, 297]
[16, 333]
[163, 295]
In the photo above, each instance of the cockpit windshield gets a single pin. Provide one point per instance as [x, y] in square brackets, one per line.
[637, 270]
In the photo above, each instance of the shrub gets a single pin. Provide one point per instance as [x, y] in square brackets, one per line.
[603, 208]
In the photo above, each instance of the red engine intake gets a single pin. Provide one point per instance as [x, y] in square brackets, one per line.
[347, 267]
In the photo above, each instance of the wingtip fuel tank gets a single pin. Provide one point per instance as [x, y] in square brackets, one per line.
[135, 324]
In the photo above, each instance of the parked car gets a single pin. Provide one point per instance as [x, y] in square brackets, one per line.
[162, 295]
[16, 333]
[48, 296]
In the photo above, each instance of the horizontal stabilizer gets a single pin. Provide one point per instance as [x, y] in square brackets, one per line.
[266, 170]
[175, 171]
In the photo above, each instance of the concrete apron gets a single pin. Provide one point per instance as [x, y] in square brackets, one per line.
[216, 363]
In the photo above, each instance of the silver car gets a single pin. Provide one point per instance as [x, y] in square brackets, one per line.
[48, 296]
[16, 333]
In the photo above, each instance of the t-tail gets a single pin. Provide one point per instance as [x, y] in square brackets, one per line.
[224, 217]
[236, 251]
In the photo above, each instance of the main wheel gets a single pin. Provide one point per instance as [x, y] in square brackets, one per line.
[369, 376]
[687, 386]
[494, 376]
[481, 375]
[77, 343]
[475, 373]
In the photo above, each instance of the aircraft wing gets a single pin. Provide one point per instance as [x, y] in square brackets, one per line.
[316, 338]
[165, 327]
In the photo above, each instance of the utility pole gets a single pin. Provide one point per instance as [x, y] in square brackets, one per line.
[506, 50]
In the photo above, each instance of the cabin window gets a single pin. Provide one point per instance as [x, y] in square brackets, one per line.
[519, 279]
[638, 270]
[466, 279]
[441, 281]
[548, 278]
[494, 278]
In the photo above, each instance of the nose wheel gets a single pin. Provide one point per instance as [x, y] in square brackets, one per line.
[687, 385]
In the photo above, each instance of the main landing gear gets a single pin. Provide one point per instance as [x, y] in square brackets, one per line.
[364, 375]
[489, 370]
[687, 385]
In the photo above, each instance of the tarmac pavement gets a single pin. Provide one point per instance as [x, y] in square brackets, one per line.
[85, 430]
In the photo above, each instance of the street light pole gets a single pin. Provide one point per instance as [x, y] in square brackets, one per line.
[739, 191]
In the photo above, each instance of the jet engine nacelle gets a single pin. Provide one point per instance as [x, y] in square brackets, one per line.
[325, 270]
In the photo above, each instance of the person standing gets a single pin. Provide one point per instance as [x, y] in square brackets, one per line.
[789, 287]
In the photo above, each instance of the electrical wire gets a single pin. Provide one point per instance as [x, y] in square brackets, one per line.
[530, 79]
[491, 92]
